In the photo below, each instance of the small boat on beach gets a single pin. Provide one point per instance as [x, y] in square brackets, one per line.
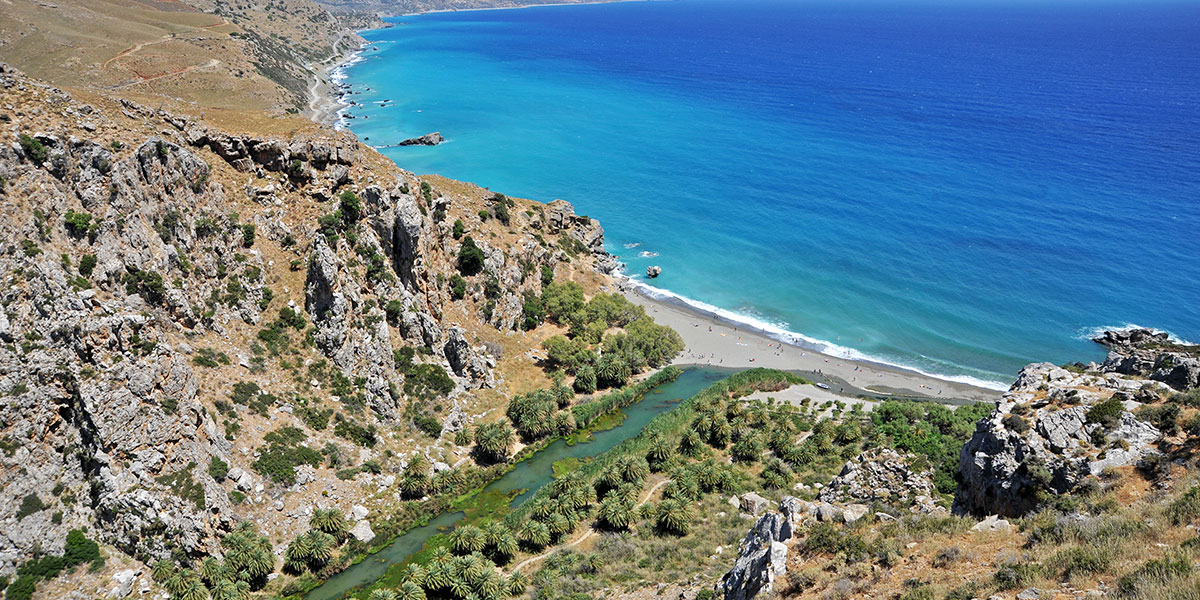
[823, 386]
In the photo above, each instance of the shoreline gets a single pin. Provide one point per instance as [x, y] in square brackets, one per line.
[324, 102]
[713, 340]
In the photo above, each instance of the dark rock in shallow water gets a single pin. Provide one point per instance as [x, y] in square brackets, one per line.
[1131, 338]
[429, 139]
[653, 272]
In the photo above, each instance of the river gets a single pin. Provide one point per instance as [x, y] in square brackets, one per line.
[524, 479]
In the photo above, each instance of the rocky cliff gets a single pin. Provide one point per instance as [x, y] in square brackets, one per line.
[1057, 427]
[152, 261]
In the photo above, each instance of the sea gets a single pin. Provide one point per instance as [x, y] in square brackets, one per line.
[958, 187]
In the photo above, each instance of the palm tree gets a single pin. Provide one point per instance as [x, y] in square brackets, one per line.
[297, 555]
[674, 517]
[410, 591]
[229, 590]
[382, 595]
[507, 547]
[659, 452]
[193, 590]
[467, 539]
[439, 575]
[493, 440]
[536, 534]
[415, 574]
[516, 584]
[321, 546]
[162, 570]
[633, 469]
[691, 444]
[489, 585]
[213, 570]
[175, 583]
[330, 521]
[614, 513]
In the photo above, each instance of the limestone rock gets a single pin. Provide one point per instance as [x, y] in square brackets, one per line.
[362, 531]
[429, 139]
[754, 503]
[762, 555]
[883, 476]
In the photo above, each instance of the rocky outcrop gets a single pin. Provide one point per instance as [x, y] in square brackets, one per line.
[762, 555]
[883, 476]
[653, 271]
[466, 361]
[1039, 440]
[1153, 355]
[429, 139]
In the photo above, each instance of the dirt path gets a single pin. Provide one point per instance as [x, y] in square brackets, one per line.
[138, 47]
[211, 63]
[587, 534]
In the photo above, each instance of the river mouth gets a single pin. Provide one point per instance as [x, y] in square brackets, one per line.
[523, 480]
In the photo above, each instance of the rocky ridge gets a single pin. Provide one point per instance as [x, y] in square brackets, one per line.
[137, 243]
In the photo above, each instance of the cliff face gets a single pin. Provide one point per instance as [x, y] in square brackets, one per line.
[174, 293]
[1058, 427]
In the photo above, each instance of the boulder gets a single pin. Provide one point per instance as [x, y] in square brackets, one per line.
[362, 531]
[429, 139]
[992, 523]
[653, 271]
[754, 503]
[762, 556]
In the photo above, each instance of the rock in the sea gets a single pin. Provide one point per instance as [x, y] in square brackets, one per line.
[429, 139]
[653, 271]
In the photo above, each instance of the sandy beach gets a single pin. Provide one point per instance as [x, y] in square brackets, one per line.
[711, 340]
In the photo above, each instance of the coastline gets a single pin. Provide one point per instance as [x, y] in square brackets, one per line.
[324, 103]
[713, 340]
[520, 6]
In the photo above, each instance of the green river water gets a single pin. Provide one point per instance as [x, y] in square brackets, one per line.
[524, 479]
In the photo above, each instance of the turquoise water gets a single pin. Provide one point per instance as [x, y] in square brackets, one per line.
[525, 478]
[957, 187]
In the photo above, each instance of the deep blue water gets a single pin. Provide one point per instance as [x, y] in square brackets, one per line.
[959, 187]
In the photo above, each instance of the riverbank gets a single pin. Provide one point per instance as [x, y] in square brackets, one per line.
[713, 340]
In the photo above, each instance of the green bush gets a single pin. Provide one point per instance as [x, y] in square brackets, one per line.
[350, 207]
[1107, 413]
[30, 504]
[87, 264]
[1016, 575]
[147, 284]
[470, 257]
[427, 382]
[1186, 508]
[218, 469]
[35, 150]
[1155, 573]
[459, 229]
[458, 287]
[79, 224]
[393, 310]
[354, 432]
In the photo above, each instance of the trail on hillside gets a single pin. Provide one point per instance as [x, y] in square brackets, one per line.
[587, 534]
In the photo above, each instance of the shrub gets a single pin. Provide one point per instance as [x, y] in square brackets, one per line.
[1082, 560]
[218, 468]
[458, 287]
[1164, 416]
[248, 230]
[79, 224]
[1016, 424]
[350, 430]
[1016, 575]
[1107, 413]
[87, 264]
[35, 150]
[350, 207]
[1157, 572]
[30, 504]
[459, 229]
[1185, 508]
[393, 310]
[147, 284]
[470, 257]
[427, 382]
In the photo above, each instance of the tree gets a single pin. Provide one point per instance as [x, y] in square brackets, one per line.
[350, 207]
[467, 539]
[492, 441]
[612, 371]
[329, 521]
[614, 513]
[470, 257]
[674, 517]
[410, 591]
[585, 380]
